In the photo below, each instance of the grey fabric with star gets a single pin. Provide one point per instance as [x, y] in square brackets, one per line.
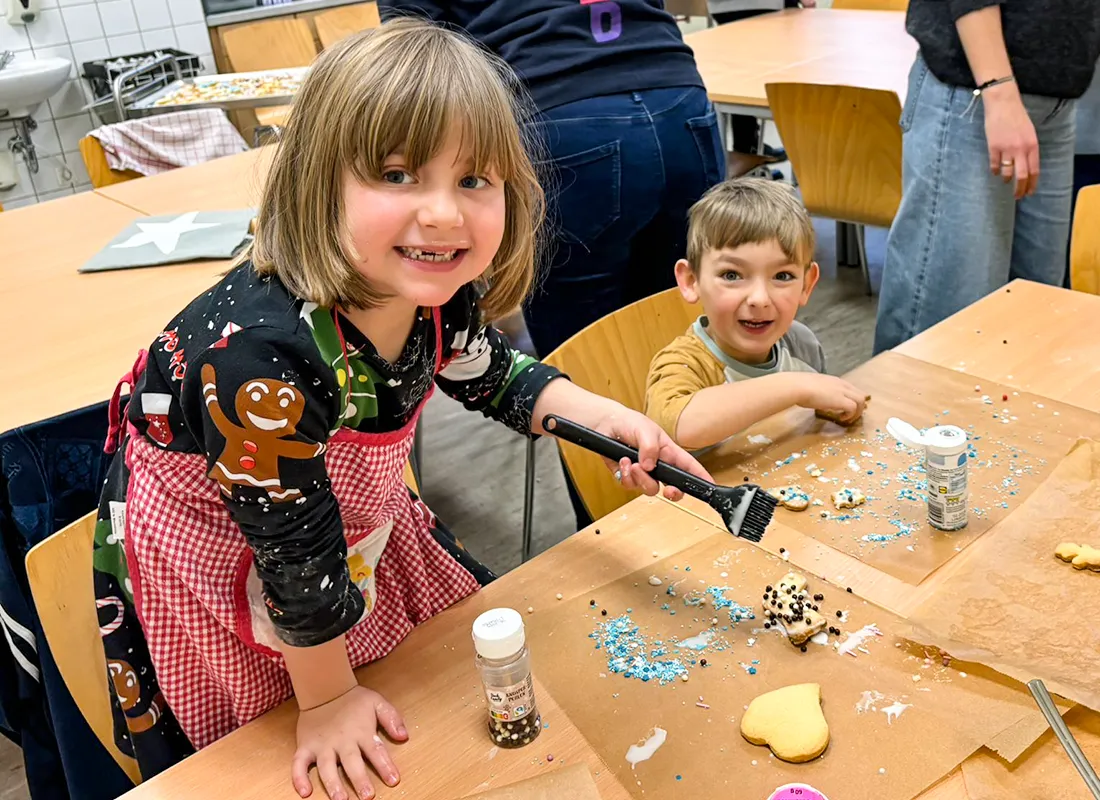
[174, 239]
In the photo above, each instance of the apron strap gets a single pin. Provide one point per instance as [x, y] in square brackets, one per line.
[115, 409]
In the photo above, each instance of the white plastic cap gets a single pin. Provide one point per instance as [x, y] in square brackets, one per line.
[945, 440]
[499, 633]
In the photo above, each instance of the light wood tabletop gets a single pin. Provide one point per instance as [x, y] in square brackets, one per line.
[66, 338]
[1029, 336]
[223, 184]
[867, 49]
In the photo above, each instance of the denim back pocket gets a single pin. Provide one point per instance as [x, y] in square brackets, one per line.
[708, 139]
[587, 189]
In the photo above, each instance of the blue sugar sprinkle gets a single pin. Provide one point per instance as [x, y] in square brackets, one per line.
[630, 654]
[687, 569]
[679, 777]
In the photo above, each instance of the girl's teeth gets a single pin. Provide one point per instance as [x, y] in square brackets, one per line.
[428, 255]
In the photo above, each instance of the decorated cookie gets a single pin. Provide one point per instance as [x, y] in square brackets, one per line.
[789, 721]
[848, 498]
[833, 416]
[789, 607]
[1080, 556]
[791, 497]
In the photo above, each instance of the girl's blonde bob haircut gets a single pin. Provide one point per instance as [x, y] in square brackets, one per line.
[405, 84]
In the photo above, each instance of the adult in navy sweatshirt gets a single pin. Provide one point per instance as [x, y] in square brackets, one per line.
[987, 154]
[629, 129]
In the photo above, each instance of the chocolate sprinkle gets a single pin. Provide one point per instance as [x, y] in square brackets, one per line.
[849, 590]
[803, 648]
[839, 614]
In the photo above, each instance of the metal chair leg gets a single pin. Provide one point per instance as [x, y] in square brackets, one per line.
[528, 499]
[861, 252]
[841, 243]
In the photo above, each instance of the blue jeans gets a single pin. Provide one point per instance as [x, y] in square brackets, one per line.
[959, 233]
[626, 169]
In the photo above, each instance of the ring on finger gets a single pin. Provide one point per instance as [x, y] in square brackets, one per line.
[619, 475]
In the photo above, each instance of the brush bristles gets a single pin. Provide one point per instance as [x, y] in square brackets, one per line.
[758, 516]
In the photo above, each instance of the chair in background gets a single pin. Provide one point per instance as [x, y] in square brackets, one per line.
[269, 44]
[337, 23]
[99, 171]
[60, 574]
[1084, 248]
[844, 143]
[873, 5]
[610, 357]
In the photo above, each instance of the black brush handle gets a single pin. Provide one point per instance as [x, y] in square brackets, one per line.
[615, 450]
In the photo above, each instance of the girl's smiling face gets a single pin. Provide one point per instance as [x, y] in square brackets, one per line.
[420, 235]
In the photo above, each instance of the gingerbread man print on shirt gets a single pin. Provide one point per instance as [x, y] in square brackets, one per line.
[269, 411]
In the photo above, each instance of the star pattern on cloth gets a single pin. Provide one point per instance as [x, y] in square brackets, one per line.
[165, 235]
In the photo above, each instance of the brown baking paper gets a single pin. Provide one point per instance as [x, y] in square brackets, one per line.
[1044, 773]
[946, 717]
[1011, 460]
[569, 783]
[1014, 606]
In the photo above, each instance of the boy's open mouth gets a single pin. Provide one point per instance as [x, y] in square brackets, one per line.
[431, 256]
[755, 325]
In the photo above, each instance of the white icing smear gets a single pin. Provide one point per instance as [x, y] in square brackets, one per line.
[895, 710]
[821, 637]
[856, 639]
[636, 753]
[655, 581]
[698, 642]
[759, 438]
[867, 701]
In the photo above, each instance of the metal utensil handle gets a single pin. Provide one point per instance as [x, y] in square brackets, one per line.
[1058, 725]
[610, 448]
[121, 79]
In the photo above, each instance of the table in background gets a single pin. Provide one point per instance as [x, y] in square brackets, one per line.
[868, 49]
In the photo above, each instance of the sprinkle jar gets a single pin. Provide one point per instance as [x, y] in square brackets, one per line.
[504, 664]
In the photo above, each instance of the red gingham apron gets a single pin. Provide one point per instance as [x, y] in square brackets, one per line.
[198, 597]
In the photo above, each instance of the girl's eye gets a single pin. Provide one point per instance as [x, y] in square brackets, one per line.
[785, 275]
[396, 176]
[473, 182]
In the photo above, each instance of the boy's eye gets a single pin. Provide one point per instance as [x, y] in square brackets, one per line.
[785, 275]
[730, 275]
[396, 176]
[473, 182]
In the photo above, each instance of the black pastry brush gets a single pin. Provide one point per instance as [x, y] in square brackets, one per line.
[746, 508]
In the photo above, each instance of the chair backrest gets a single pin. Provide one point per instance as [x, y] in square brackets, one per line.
[60, 574]
[335, 24]
[611, 357]
[269, 44]
[873, 5]
[99, 171]
[1084, 248]
[844, 143]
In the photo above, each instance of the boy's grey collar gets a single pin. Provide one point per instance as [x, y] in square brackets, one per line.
[700, 329]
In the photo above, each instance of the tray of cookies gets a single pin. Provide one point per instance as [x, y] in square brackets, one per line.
[275, 87]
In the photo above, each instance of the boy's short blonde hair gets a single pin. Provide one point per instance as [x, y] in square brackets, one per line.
[405, 84]
[749, 211]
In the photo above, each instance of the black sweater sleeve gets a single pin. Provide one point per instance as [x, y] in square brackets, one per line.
[261, 407]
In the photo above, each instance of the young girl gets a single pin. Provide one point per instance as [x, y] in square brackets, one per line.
[258, 525]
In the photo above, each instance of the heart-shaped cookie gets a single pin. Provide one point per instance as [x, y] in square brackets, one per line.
[789, 721]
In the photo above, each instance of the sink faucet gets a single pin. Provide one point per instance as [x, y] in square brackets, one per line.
[6, 57]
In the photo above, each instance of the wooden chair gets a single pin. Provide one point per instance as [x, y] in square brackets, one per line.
[1084, 249]
[611, 358]
[60, 574]
[873, 5]
[100, 172]
[269, 44]
[337, 23]
[844, 143]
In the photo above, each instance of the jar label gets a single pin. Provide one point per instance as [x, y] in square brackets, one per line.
[511, 702]
[796, 791]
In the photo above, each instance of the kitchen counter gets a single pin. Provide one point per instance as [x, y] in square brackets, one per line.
[264, 12]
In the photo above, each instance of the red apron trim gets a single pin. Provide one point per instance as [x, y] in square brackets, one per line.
[115, 410]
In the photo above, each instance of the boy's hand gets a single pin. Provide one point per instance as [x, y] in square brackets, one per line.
[339, 734]
[833, 395]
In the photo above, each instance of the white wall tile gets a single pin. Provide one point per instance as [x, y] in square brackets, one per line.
[125, 45]
[185, 11]
[70, 130]
[45, 138]
[17, 202]
[77, 168]
[69, 100]
[159, 38]
[118, 17]
[13, 37]
[152, 14]
[194, 38]
[82, 23]
[48, 4]
[58, 51]
[67, 3]
[51, 175]
[66, 192]
[90, 50]
[48, 29]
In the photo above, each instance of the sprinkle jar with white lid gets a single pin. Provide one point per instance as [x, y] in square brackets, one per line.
[504, 663]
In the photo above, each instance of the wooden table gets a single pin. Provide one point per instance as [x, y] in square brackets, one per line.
[1030, 336]
[66, 338]
[219, 185]
[869, 49]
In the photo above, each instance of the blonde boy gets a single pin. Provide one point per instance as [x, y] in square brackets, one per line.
[750, 250]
